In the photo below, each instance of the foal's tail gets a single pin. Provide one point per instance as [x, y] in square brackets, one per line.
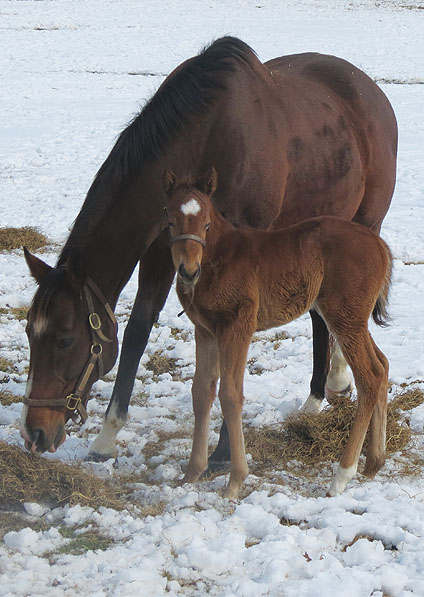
[379, 313]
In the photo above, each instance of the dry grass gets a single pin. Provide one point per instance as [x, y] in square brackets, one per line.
[7, 398]
[159, 363]
[316, 438]
[16, 238]
[157, 447]
[5, 365]
[28, 478]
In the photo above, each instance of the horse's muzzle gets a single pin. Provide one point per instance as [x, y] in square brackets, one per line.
[188, 278]
[38, 441]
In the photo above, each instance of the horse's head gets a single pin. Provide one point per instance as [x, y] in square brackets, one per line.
[72, 337]
[189, 209]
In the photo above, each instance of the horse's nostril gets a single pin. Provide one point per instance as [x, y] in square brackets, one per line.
[38, 437]
[185, 275]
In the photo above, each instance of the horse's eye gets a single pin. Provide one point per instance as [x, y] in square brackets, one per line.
[63, 343]
[171, 224]
[207, 227]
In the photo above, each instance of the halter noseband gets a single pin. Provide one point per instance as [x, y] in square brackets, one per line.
[174, 239]
[74, 401]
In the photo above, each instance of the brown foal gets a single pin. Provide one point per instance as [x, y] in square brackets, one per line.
[232, 282]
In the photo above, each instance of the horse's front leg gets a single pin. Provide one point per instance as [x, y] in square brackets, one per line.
[155, 279]
[203, 392]
[233, 346]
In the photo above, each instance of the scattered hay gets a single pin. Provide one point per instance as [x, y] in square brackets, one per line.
[28, 478]
[5, 365]
[7, 398]
[160, 363]
[16, 238]
[156, 448]
[321, 437]
[16, 521]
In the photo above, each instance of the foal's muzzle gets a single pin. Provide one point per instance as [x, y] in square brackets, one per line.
[187, 278]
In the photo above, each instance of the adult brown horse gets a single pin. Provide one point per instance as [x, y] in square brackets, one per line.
[233, 282]
[308, 134]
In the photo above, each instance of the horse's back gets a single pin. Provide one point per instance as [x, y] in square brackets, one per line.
[341, 140]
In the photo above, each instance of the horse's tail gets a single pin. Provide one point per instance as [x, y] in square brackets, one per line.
[379, 313]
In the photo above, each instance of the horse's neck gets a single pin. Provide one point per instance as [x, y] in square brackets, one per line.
[111, 248]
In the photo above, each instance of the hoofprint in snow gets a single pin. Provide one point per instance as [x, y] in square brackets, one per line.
[73, 80]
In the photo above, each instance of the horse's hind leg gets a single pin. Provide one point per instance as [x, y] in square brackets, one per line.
[338, 379]
[371, 381]
[203, 393]
[320, 339]
[155, 279]
[376, 450]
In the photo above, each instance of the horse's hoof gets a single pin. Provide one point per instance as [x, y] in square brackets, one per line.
[217, 466]
[96, 457]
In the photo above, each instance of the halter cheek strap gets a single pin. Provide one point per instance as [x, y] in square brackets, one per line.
[74, 402]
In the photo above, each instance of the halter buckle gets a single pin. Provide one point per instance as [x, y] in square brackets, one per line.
[72, 402]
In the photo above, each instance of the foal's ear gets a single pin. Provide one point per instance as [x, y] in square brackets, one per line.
[75, 266]
[37, 267]
[169, 181]
[208, 182]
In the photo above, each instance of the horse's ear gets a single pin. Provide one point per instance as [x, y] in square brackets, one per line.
[209, 181]
[75, 266]
[38, 268]
[169, 181]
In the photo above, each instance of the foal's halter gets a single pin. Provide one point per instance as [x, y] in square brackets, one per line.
[174, 239]
[74, 402]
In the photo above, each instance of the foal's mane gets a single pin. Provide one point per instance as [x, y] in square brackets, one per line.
[188, 91]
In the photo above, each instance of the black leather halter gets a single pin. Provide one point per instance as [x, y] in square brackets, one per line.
[75, 402]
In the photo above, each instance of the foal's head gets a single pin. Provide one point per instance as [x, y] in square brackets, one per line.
[189, 209]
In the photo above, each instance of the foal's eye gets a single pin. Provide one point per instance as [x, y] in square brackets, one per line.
[64, 343]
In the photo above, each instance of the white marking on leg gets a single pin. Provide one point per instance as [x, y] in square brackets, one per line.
[312, 405]
[191, 208]
[338, 379]
[22, 424]
[105, 442]
[341, 479]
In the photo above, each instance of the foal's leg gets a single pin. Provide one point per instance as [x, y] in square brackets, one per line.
[320, 339]
[376, 450]
[155, 279]
[371, 381]
[233, 346]
[203, 392]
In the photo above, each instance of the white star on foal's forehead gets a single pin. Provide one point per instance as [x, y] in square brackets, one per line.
[191, 208]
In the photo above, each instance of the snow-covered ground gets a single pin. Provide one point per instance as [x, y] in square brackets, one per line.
[73, 74]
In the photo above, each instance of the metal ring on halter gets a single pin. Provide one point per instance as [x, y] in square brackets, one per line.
[96, 349]
[95, 321]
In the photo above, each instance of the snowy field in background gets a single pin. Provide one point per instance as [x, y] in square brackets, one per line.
[73, 74]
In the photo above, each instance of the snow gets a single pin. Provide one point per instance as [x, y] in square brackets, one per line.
[74, 73]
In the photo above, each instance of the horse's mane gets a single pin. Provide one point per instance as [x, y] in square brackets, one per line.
[188, 91]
